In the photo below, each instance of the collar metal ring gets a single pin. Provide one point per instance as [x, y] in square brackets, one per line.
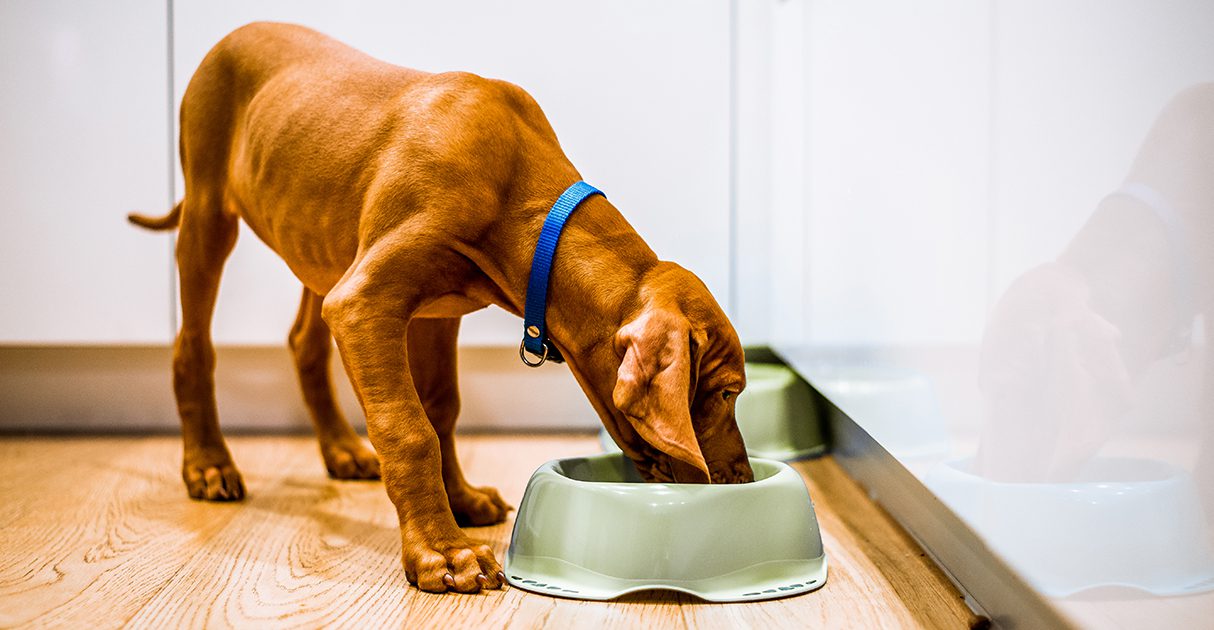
[522, 354]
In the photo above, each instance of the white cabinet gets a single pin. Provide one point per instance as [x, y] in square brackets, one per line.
[638, 93]
[892, 232]
[83, 141]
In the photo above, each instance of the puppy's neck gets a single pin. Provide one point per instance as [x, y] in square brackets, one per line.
[595, 281]
[596, 278]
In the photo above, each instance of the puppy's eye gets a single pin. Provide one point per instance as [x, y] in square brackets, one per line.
[727, 395]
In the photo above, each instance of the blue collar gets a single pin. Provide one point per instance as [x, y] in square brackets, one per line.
[535, 330]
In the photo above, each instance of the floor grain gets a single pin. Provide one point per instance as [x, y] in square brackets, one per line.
[98, 532]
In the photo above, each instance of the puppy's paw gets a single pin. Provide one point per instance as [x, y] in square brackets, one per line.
[477, 506]
[350, 459]
[213, 481]
[462, 566]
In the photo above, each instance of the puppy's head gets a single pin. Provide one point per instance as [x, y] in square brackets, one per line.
[681, 369]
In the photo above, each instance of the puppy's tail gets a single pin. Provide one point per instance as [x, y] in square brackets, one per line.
[167, 222]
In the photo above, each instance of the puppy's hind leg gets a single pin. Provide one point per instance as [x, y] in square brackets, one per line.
[206, 238]
[432, 354]
[345, 455]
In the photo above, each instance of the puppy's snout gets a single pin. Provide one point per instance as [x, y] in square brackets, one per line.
[738, 471]
[683, 472]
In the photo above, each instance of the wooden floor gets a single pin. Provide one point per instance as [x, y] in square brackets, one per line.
[98, 532]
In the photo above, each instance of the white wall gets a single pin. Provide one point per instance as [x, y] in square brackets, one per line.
[638, 93]
[83, 140]
[896, 124]
[751, 229]
[787, 284]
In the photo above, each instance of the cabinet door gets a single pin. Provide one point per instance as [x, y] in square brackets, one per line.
[638, 93]
[84, 131]
[896, 136]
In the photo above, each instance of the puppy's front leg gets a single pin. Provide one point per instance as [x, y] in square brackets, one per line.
[432, 358]
[369, 317]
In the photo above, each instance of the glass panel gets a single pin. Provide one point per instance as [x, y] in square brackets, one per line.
[1009, 218]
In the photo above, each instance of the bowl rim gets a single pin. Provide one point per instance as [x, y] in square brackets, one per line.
[779, 475]
[954, 468]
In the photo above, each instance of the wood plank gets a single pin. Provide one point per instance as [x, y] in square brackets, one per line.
[98, 524]
[106, 537]
[865, 544]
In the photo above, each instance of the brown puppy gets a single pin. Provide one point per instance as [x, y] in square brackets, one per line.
[403, 200]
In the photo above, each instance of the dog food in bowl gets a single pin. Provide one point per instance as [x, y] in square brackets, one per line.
[591, 528]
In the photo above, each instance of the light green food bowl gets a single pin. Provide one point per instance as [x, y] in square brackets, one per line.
[775, 414]
[590, 528]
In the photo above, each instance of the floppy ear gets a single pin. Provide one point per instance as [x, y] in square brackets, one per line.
[653, 386]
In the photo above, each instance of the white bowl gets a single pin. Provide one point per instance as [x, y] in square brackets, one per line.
[1124, 522]
[897, 407]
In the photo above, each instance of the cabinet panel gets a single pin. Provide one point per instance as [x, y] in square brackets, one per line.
[643, 118]
[84, 131]
[896, 128]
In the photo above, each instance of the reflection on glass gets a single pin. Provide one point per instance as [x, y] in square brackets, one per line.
[898, 405]
[1065, 410]
[1095, 464]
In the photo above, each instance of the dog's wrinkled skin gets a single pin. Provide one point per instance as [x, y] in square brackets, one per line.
[403, 200]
